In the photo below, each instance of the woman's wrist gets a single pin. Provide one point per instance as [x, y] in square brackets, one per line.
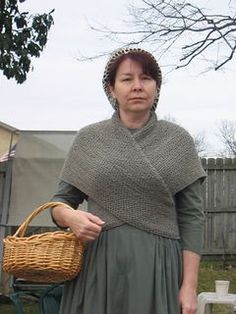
[63, 215]
[191, 263]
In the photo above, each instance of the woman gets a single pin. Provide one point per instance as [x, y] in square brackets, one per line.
[142, 179]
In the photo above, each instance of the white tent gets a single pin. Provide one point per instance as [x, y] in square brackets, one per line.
[36, 166]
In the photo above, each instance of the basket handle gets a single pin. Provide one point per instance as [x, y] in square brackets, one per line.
[20, 232]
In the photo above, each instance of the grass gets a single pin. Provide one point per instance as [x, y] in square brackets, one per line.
[209, 272]
[30, 307]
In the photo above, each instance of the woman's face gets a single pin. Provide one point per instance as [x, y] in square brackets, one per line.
[134, 91]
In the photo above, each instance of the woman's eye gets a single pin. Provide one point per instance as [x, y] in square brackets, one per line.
[146, 78]
[126, 79]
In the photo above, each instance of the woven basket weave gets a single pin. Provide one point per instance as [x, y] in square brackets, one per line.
[50, 257]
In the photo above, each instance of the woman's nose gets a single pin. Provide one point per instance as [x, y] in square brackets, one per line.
[137, 84]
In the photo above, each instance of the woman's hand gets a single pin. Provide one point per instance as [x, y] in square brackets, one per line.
[188, 300]
[84, 225]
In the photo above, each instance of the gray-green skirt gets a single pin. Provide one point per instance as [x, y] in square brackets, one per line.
[126, 271]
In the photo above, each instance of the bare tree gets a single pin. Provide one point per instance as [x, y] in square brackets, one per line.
[182, 26]
[227, 135]
[170, 118]
[200, 142]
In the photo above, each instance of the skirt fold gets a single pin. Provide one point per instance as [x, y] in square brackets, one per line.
[126, 271]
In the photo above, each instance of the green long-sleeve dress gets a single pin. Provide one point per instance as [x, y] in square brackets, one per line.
[130, 271]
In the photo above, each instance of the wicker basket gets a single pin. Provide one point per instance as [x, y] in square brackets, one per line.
[50, 257]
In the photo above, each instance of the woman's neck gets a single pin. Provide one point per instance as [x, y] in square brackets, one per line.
[134, 121]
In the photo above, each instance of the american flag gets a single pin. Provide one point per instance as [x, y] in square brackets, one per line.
[8, 155]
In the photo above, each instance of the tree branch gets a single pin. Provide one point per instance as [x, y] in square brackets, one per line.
[180, 25]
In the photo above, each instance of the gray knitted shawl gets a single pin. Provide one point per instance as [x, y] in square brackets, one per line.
[132, 177]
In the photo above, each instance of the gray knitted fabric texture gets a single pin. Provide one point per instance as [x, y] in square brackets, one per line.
[133, 177]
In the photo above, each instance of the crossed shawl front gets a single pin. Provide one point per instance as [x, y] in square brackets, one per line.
[134, 176]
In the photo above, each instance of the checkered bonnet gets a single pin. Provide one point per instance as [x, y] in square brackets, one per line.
[113, 58]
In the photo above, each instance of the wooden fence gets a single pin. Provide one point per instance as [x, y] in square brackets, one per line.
[219, 203]
[220, 206]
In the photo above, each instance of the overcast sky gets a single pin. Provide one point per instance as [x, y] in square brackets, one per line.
[65, 94]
